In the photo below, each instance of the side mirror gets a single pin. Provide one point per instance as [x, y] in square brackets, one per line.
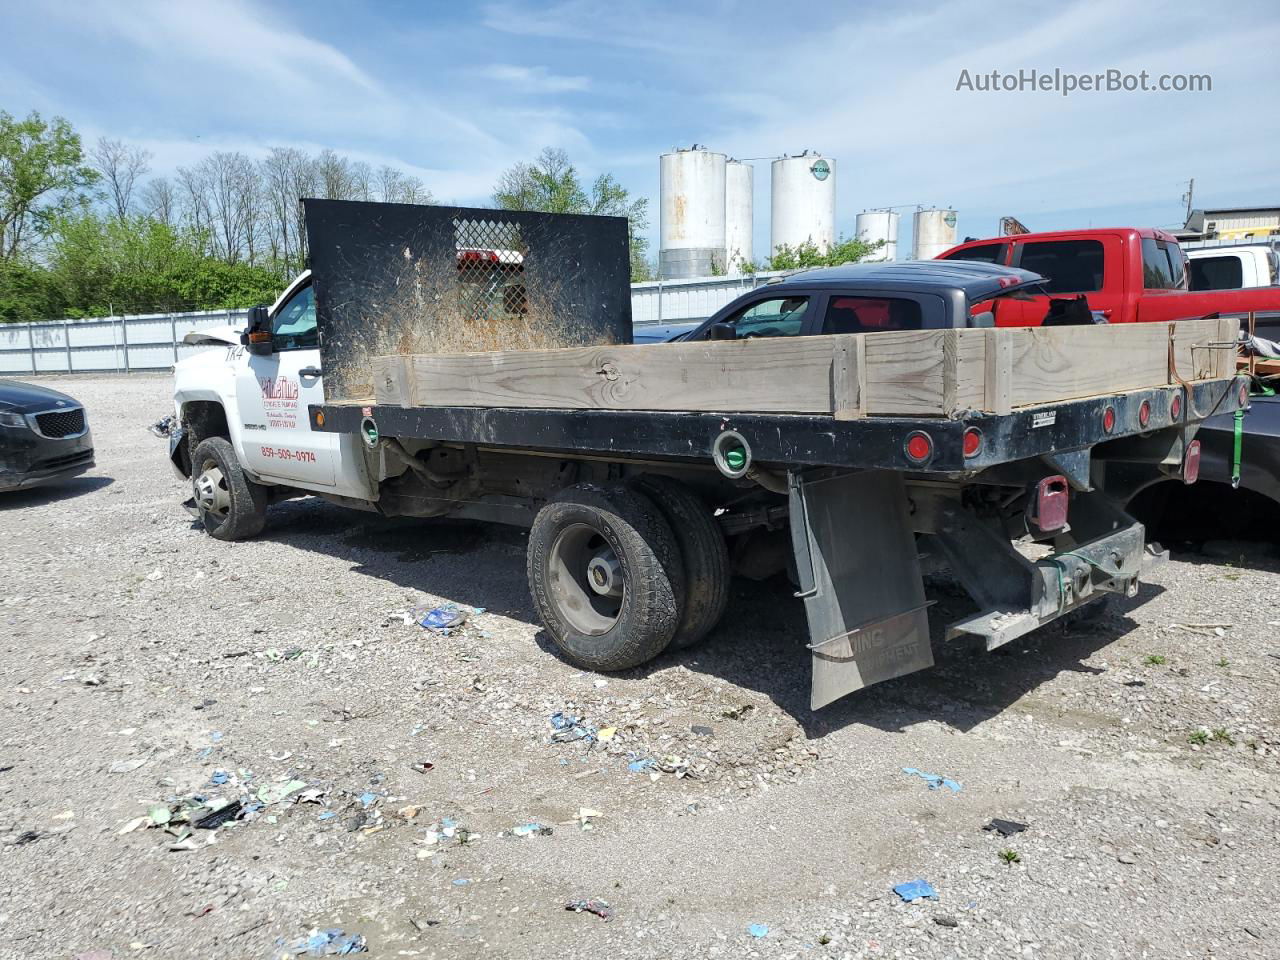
[722, 331]
[257, 335]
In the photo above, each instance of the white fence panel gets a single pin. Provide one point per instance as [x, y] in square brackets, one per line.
[153, 340]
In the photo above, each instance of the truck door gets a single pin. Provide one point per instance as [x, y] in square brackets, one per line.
[273, 394]
[1072, 267]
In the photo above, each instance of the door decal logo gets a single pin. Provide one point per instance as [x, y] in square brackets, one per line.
[280, 401]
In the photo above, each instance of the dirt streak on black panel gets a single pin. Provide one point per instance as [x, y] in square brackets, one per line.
[405, 278]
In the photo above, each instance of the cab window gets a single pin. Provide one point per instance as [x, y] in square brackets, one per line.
[869, 314]
[294, 325]
[1071, 266]
[1217, 273]
[985, 253]
[1158, 272]
[776, 317]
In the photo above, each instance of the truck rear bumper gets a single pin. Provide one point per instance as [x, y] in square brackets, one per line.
[864, 593]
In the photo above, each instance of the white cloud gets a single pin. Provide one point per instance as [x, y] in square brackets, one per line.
[513, 79]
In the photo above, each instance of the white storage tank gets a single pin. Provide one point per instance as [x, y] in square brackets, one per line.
[935, 231]
[879, 225]
[739, 200]
[692, 227]
[803, 201]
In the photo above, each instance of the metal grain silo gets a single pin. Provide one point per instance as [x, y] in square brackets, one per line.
[877, 225]
[934, 232]
[692, 213]
[739, 200]
[803, 201]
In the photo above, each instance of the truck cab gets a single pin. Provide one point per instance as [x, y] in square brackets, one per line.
[1127, 275]
[255, 395]
[1233, 268]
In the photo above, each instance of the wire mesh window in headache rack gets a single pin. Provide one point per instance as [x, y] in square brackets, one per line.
[491, 270]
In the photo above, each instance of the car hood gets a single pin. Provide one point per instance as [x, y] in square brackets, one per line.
[29, 398]
[214, 336]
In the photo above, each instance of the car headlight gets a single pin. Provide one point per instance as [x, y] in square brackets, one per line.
[8, 419]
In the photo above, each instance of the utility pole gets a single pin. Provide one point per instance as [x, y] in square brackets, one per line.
[1186, 197]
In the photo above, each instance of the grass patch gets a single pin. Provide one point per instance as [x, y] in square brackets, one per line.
[1223, 662]
[1221, 735]
[1010, 857]
[1155, 659]
[1198, 737]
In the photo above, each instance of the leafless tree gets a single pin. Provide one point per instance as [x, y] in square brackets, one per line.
[160, 201]
[334, 173]
[395, 186]
[121, 166]
[361, 181]
[287, 175]
[224, 201]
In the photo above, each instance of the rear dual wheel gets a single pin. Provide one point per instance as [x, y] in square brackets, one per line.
[617, 576]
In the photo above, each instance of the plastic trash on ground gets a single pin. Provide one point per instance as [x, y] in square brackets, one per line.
[322, 943]
[916, 889]
[1006, 828]
[439, 619]
[934, 780]
[599, 907]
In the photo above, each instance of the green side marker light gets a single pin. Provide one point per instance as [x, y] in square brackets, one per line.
[736, 458]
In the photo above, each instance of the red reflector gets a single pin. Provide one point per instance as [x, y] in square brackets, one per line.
[1175, 407]
[1109, 419]
[1144, 413]
[919, 447]
[1244, 393]
[1051, 503]
[1191, 462]
[972, 442]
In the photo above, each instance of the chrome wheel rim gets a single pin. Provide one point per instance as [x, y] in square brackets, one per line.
[212, 494]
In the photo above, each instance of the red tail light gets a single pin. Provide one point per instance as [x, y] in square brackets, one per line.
[919, 447]
[972, 442]
[1051, 503]
[1109, 419]
[1191, 463]
[1175, 407]
[1144, 413]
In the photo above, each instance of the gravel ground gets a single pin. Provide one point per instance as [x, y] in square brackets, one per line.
[143, 660]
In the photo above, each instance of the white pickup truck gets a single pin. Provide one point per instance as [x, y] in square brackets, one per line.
[234, 407]
[1232, 268]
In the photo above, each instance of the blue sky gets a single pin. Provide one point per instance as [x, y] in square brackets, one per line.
[457, 92]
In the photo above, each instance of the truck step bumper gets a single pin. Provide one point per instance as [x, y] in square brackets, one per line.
[1059, 583]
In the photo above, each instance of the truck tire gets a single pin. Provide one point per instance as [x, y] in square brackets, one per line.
[703, 551]
[606, 577]
[230, 505]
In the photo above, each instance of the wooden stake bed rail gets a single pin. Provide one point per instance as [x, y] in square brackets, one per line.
[897, 373]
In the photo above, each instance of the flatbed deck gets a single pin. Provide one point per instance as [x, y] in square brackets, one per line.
[799, 439]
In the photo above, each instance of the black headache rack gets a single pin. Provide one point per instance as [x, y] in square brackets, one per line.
[789, 440]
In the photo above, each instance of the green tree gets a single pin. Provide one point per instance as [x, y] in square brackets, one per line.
[809, 254]
[42, 177]
[551, 185]
[103, 265]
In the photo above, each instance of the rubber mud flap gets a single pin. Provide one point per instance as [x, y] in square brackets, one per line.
[859, 574]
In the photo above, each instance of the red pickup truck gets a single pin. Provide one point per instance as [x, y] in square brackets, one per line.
[1128, 274]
